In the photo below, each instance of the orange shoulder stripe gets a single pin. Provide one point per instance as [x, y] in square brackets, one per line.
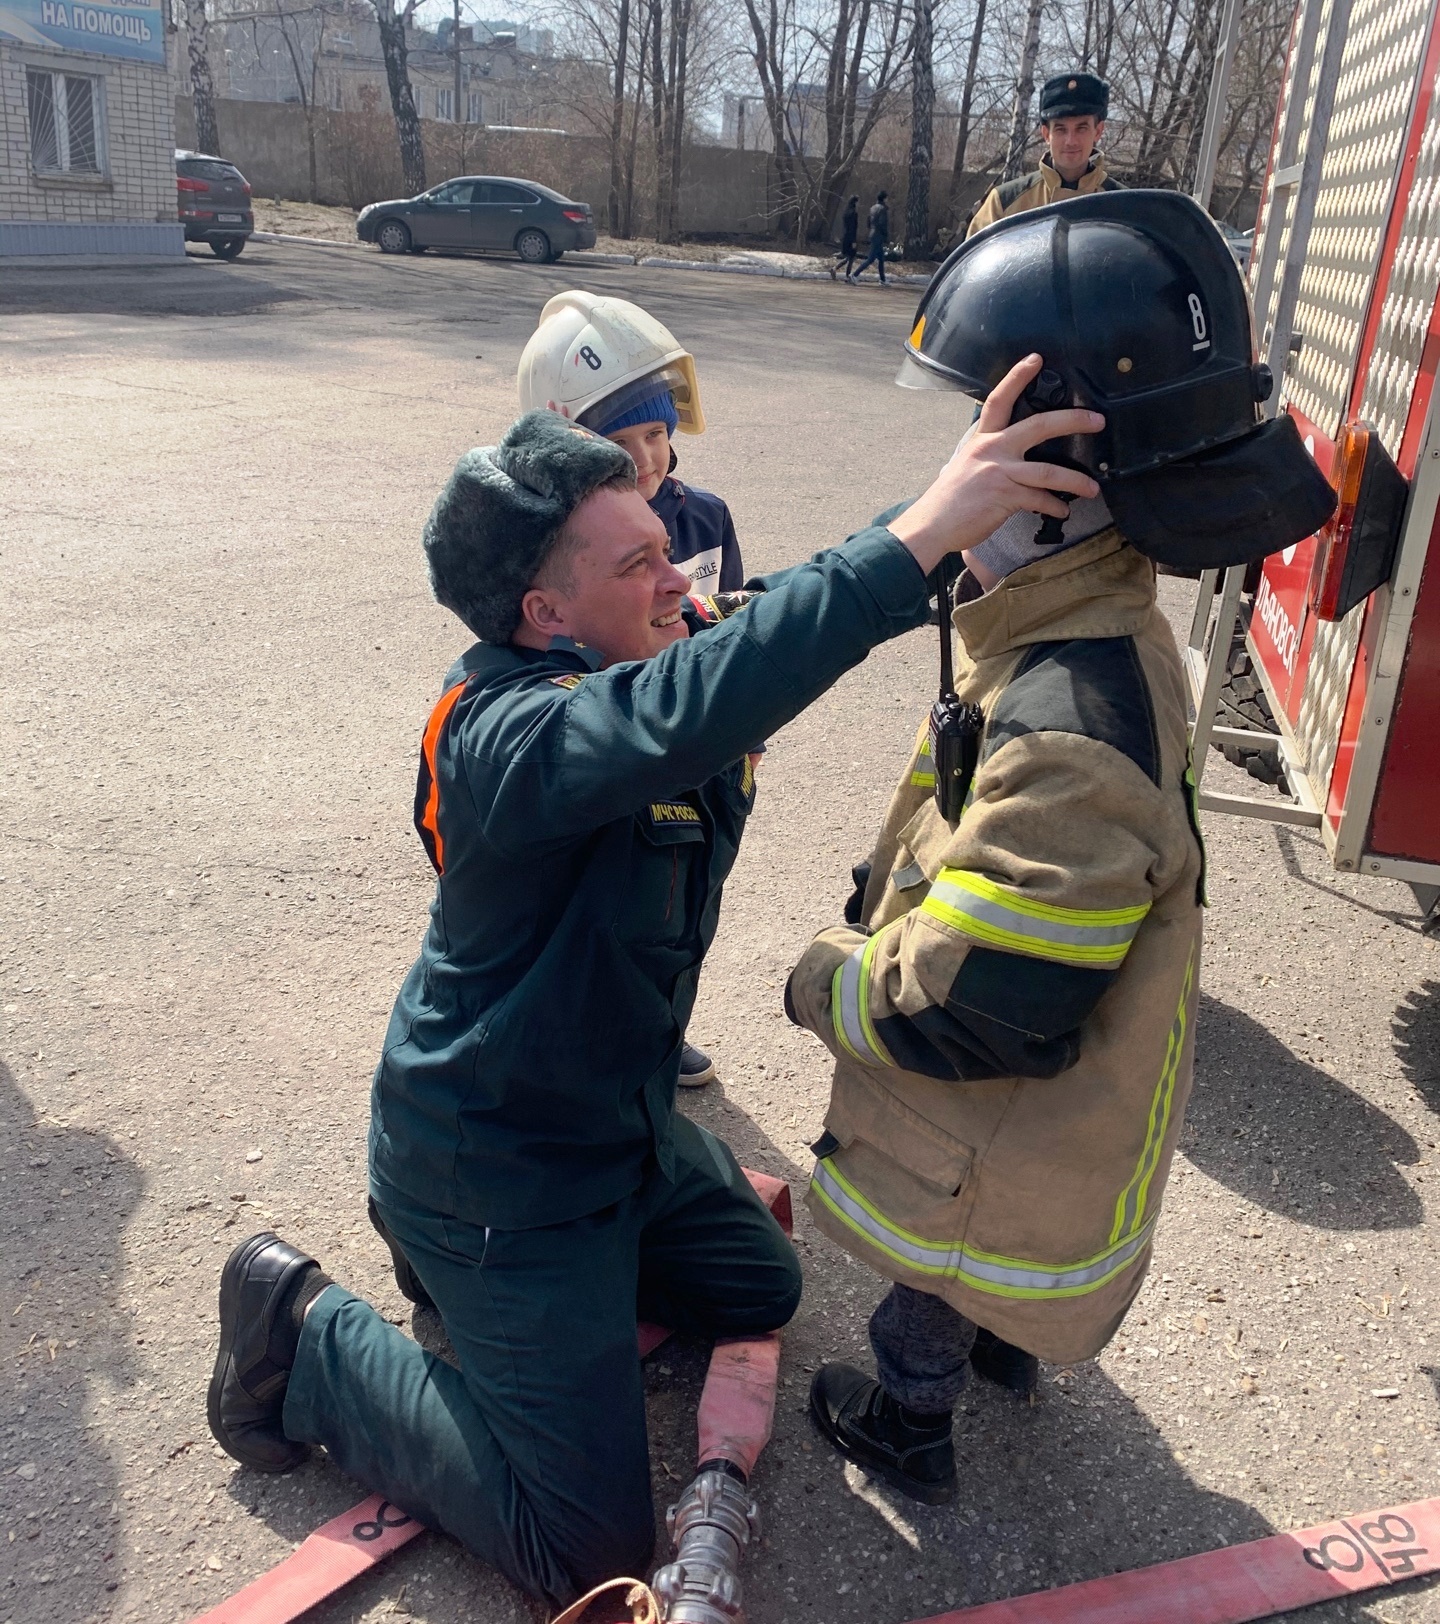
[430, 820]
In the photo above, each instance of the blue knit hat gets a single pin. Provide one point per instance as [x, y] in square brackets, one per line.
[656, 408]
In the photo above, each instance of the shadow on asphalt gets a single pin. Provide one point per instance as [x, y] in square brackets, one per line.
[68, 1195]
[192, 287]
[1415, 1029]
[1290, 1137]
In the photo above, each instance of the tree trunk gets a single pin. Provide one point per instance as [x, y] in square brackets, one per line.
[967, 106]
[202, 82]
[402, 98]
[628, 221]
[922, 133]
[681, 53]
[617, 113]
[1024, 91]
[657, 112]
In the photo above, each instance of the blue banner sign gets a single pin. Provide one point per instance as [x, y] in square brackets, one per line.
[130, 28]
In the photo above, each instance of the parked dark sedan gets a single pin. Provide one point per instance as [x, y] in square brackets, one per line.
[481, 211]
[214, 202]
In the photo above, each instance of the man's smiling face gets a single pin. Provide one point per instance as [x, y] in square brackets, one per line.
[610, 585]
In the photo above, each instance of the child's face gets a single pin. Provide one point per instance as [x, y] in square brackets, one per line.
[649, 448]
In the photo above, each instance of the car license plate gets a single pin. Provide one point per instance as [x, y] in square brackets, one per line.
[229, 219]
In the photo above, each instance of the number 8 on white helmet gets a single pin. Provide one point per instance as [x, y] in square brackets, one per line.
[592, 358]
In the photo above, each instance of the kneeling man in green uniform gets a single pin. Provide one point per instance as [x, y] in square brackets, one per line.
[584, 782]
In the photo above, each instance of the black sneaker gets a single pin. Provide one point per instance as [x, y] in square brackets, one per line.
[1004, 1364]
[405, 1277]
[858, 1417]
[696, 1067]
[257, 1349]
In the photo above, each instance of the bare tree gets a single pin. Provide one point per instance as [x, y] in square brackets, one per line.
[402, 98]
[302, 32]
[1024, 90]
[202, 82]
[617, 114]
[922, 132]
[852, 53]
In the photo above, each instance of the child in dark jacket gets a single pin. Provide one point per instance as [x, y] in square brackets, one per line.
[614, 369]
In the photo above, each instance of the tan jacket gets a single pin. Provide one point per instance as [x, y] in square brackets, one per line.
[1035, 190]
[1014, 1024]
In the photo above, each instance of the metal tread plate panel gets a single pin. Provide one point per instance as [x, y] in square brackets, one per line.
[1327, 685]
[1277, 207]
[1408, 301]
[1372, 107]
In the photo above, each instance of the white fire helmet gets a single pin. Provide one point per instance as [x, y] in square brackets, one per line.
[591, 352]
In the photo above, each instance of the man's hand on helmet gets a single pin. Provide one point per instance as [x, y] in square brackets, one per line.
[988, 478]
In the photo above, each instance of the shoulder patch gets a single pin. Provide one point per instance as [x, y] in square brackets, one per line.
[1010, 192]
[571, 679]
[1093, 686]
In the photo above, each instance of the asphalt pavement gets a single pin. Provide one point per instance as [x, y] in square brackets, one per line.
[217, 652]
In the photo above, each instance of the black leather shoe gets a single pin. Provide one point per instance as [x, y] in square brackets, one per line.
[247, 1391]
[405, 1277]
[1004, 1364]
[860, 1419]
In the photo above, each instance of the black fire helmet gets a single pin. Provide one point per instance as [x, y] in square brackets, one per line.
[1137, 305]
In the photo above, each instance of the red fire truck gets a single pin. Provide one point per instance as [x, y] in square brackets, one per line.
[1329, 654]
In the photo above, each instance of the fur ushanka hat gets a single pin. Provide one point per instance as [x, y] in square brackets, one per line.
[502, 510]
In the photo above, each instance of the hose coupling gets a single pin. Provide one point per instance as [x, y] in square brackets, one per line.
[710, 1526]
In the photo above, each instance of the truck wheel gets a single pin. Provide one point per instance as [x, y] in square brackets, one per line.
[533, 246]
[227, 247]
[1242, 703]
[393, 237]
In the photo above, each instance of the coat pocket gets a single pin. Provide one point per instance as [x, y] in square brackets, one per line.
[893, 1177]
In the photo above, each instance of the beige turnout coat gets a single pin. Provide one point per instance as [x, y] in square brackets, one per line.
[1013, 1023]
[1033, 191]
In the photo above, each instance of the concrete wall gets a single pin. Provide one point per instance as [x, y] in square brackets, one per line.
[138, 154]
[722, 192]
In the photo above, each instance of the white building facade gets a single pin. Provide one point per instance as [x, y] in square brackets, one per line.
[87, 129]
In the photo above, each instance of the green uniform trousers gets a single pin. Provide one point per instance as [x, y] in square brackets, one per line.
[533, 1454]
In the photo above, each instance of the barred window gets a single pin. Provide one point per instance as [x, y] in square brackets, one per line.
[64, 122]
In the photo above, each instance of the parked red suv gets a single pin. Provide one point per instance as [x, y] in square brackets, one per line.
[214, 203]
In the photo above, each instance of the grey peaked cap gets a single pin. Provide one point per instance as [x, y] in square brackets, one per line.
[502, 510]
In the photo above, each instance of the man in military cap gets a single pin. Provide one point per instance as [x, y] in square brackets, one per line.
[1072, 120]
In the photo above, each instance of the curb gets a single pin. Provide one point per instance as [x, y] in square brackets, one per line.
[651, 262]
[307, 242]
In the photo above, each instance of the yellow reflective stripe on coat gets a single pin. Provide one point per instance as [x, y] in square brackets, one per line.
[923, 777]
[1008, 918]
[984, 1271]
[850, 1007]
[1130, 1208]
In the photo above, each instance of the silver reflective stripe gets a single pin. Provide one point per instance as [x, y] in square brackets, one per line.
[1003, 1277]
[1026, 924]
[853, 988]
[930, 1256]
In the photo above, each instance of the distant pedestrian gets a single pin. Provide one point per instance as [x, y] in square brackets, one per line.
[849, 231]
[879, 223]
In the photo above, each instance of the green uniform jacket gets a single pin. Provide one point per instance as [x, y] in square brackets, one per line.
[581, 824]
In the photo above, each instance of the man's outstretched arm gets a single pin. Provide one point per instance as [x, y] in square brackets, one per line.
[575, 758]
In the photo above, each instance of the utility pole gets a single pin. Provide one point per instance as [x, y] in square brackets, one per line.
[460, 117]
